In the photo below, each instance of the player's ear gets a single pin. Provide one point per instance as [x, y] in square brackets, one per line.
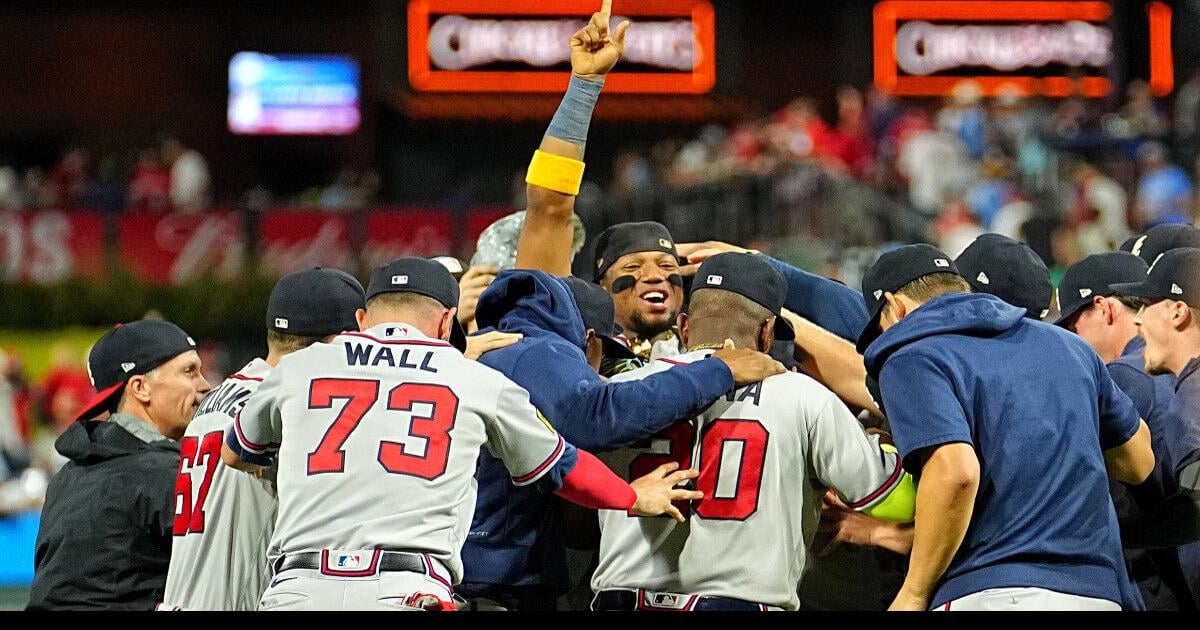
[360, 316]
[447, 323]
[138, 388]
[682, 322]
[766, 335]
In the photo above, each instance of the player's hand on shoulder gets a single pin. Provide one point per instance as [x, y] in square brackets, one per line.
[747, 366]
[477, 345]
[656, 491]
[596, 48]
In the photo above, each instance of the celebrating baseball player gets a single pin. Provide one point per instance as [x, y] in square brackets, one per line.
[224, 518]
[377, 434]
[766, 454]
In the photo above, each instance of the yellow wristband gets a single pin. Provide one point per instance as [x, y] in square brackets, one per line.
[555, 172]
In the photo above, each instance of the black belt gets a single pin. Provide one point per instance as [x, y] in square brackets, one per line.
[388, 561]
[620, 599]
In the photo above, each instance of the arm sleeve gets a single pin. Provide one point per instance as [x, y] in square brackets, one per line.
[922, 406]
[1119, 420]
[257, 429]
[824, 302]
[597, 415]
[1136, 384]
[846, 459]
[519, 435]
[592, 485]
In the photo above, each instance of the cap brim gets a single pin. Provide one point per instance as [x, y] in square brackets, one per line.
[105, 401]
[1139, 289]
[614, 349]
[1070, 312]
[458, 336]
[870, 332]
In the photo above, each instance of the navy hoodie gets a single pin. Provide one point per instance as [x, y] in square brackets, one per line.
[515, 537]
[1039, 407]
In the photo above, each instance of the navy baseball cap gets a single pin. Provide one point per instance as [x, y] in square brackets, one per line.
[315, 302]
[630, 238]
[126, 351]
[423, 277]
[599, 314]
[892, 271]
[750, 276]
[1009, 270]
[1162, 238]
[1175, 275]
[1094, 276]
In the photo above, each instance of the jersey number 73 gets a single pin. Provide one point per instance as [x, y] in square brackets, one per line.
[360, 397]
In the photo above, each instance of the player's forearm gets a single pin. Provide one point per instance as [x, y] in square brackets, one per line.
[834, 362]
[945, 502]
[830, 305]
[592, 485]
[546, 237]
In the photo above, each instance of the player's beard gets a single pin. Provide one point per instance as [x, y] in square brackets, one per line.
[648, 330]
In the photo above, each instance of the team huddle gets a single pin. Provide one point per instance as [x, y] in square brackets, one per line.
[703, 406]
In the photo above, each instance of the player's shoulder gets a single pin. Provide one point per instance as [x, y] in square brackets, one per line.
[798, 388]
[205, 423]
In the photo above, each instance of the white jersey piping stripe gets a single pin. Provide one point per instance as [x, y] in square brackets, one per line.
[258, 449]
[878, 492]
[541, 469]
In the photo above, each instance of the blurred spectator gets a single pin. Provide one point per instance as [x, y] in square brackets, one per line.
[65, 390]
[150, 187]
[1145, 117]
[963, 117]
[855, 146]
[991, 192]
[11, 197]
[107, 191]
[68, 183]
[1099, 212]
[693, 160]
[955, 228]
[1187, 118]
[1164, 191]
[632, 173]
[189, 175]
[932, 161]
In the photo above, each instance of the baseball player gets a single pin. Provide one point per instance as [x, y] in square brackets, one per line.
[224, 518]
[767, 452]
[383, 426]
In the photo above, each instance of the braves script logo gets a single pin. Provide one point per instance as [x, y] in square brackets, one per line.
[326, 247]
[38, 250]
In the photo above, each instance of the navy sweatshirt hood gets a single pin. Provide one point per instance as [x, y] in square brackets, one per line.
[533, 303]
[969, 314]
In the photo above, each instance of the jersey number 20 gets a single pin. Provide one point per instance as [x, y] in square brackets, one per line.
[360, 396]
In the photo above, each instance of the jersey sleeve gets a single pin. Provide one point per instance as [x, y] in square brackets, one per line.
[257, 429]
[1119, 420]
[922, 406]
[824, 302]
[521, 437]
[848, 460]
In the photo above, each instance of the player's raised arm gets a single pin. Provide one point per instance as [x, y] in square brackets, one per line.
[557, 167]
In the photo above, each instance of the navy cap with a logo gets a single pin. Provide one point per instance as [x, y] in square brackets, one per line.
[423, 277]
[1174, 275]
[750, 276]
[599, 314]
[1162, 238]
[630, 238]
[892, 271]
[1095, 276]
[126, 351]
[315, 302]
[1009, 270]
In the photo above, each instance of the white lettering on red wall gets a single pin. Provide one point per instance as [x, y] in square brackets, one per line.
[923, 48]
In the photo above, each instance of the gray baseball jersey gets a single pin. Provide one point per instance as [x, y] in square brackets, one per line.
[766, 455]
[223, 517]
[377, 435]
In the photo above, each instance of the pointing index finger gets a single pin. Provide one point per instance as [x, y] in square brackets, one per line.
[606, 8]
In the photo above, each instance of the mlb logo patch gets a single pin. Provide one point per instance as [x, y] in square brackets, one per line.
[349, 561]
[281, 322]
[399, 279]
[941, 262]
[715, 280]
